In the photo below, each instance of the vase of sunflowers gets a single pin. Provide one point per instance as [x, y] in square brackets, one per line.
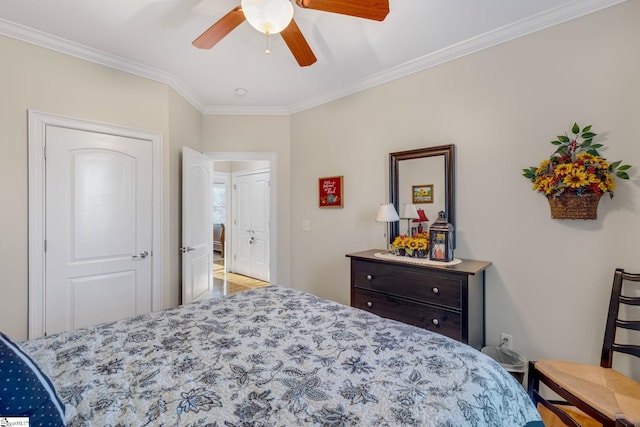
[416, 245]
[575, 176]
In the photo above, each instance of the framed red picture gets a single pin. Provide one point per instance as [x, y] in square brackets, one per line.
[330, 192]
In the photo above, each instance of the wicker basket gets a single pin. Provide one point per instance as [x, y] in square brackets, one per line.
[573, 206]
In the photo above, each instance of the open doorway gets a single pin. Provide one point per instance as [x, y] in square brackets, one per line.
[221, 208]
[243, 243]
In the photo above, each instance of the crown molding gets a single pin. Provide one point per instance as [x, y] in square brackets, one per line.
[48, 41]
[558, 15]
[538, 22]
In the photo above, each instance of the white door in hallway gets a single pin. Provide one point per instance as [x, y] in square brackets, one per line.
[99, 227]
[197, 226]
[251, 211]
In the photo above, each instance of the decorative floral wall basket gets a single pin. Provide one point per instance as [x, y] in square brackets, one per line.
[575, 176]
[572, 206]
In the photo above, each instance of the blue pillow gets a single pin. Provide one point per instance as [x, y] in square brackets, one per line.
[26, 391]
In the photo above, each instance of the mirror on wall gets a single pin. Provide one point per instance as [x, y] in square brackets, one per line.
[423, 177]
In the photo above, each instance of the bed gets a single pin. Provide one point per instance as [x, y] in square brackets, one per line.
[275, 356]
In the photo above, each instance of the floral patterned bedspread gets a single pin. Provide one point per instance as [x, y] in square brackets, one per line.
[275, 357]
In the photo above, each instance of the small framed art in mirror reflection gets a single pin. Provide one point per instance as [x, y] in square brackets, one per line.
[422, 193]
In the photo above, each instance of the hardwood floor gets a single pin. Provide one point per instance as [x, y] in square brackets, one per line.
[228, 283]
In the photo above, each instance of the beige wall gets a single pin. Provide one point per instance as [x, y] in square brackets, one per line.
[43, 80]
[259, 134]
[550, 279]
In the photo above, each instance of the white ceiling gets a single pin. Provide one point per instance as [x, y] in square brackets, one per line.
[153, 38]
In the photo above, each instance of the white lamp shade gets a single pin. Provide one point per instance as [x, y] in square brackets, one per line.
[410, 212]
[387, 213]
[268, 16]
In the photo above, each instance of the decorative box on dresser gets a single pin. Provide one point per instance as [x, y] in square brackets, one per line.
[445, 299]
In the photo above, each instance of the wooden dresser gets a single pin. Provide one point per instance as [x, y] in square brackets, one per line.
[445, 299]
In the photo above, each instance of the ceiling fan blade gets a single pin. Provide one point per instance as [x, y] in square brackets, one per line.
[298, 44]
[368, 9]
[220, 29]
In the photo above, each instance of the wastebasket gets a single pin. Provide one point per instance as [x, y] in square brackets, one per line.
[512, 362]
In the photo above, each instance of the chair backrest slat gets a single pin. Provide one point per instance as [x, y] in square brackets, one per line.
[627, 348]
[629, 300]
[628, 324]
[609, 344]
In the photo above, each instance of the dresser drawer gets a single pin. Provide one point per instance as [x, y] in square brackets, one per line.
[408, 282]
[445, 322]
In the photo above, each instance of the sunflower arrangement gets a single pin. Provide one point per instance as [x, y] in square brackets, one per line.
[410, 245]
[576, 167]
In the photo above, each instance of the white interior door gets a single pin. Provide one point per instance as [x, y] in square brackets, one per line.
[260, 214]
[242, 226]
[197, 226]
[252, 195]
[98, 228]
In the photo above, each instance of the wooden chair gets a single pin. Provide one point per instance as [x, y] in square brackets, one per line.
[604, 394]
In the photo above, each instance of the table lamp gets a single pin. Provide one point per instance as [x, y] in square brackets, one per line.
[387, 213]
[410, 212]
[422, 217]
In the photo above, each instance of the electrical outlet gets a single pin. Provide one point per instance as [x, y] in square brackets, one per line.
[506, 341]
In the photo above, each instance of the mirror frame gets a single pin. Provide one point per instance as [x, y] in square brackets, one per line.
[448, 151]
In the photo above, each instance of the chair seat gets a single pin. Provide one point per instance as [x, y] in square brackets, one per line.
[605, 389]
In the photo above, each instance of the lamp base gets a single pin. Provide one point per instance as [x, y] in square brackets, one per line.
[389, 248]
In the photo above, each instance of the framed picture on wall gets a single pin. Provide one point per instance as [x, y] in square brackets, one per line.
[422, 193]
[330, 192]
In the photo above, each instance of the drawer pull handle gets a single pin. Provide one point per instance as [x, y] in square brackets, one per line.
[435, 322]
[369, 277]
[435, 291]
[369, 304]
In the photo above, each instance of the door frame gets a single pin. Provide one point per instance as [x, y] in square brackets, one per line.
[272, 157]
[38, 122]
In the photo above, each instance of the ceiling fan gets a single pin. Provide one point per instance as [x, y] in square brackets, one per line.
[276, 16]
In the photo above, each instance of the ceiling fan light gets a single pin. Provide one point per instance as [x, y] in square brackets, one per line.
[268, 16]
